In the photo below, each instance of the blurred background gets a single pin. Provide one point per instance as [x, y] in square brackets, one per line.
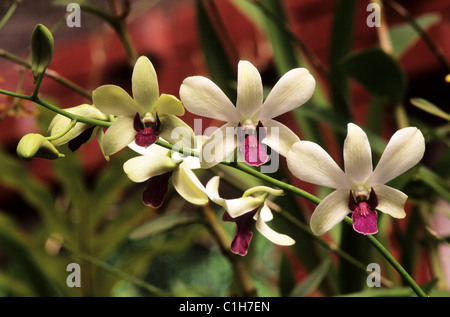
[83, 209]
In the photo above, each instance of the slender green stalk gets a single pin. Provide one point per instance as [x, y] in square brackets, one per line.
[9, 13]
[63, 132]
[53, 108]
[388, 256]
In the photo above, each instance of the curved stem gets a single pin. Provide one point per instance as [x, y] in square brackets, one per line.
[64, 132]
[53, 108]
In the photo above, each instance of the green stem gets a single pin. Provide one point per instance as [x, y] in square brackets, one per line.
[9, 13]
[53, 108]
[64, 132]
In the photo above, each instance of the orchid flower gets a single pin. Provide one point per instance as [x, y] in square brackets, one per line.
[143, 119]
[251, 116]
[359, 189]
[157, 165]
[243, 210]
[61, 132]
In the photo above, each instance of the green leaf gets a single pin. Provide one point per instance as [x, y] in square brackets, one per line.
[340, 46]
[283, 50]
[378, 72]
[404, 36]
[42, 46]
[441, 186]
[216, 58]
[161, 224]
[429, 107]
[22, 258]
[312, 281]
[286, 279]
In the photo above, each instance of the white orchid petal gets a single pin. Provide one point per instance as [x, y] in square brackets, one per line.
[235, 207]
[168, 104]
[291, 91]
[404, 150]
[111, 99]
[310, 163]
[118, 135]
[220, 144]
[188, 185]
[391, 201]
[141, 168]
[192, 162]
[249, 89]
[279, 137]
[271, 235]
[202, 97]
[176, 132]
[154, 149]
[331, 211]
[144, 83]
[357, 154]
[265, 213]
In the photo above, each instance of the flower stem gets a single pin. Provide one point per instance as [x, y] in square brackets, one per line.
[53, 108]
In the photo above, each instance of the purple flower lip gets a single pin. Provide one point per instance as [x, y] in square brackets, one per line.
[364, 214]
[251, 148]
[147, 133]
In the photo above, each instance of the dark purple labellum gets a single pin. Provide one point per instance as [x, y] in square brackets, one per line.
[156, 190]
[243, 236]
[364, 213]
[148, 133]
[251, 148]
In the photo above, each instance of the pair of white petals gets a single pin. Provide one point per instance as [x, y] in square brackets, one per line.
[203, 97]
[309, 162]
[239, 206]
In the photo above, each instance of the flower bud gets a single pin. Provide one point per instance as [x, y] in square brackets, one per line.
[35, 145]
[42, 45]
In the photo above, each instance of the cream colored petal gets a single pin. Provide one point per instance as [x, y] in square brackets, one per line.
[188, 185]
[357, 154]
[331, 211]
[60, 123]
[220, 144]
[291, 91]
[271, 235]
[118, 135]
[265, 213]
[154, 149]
[235, 207]
[279, 137]
[100, 136]
[168, 104]
[176, 132]
[404, 150]
[111, 99]
[202, 97]
[310, 163]
[144, 83]
[391, 201]
[249, 90]
[141, 168]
